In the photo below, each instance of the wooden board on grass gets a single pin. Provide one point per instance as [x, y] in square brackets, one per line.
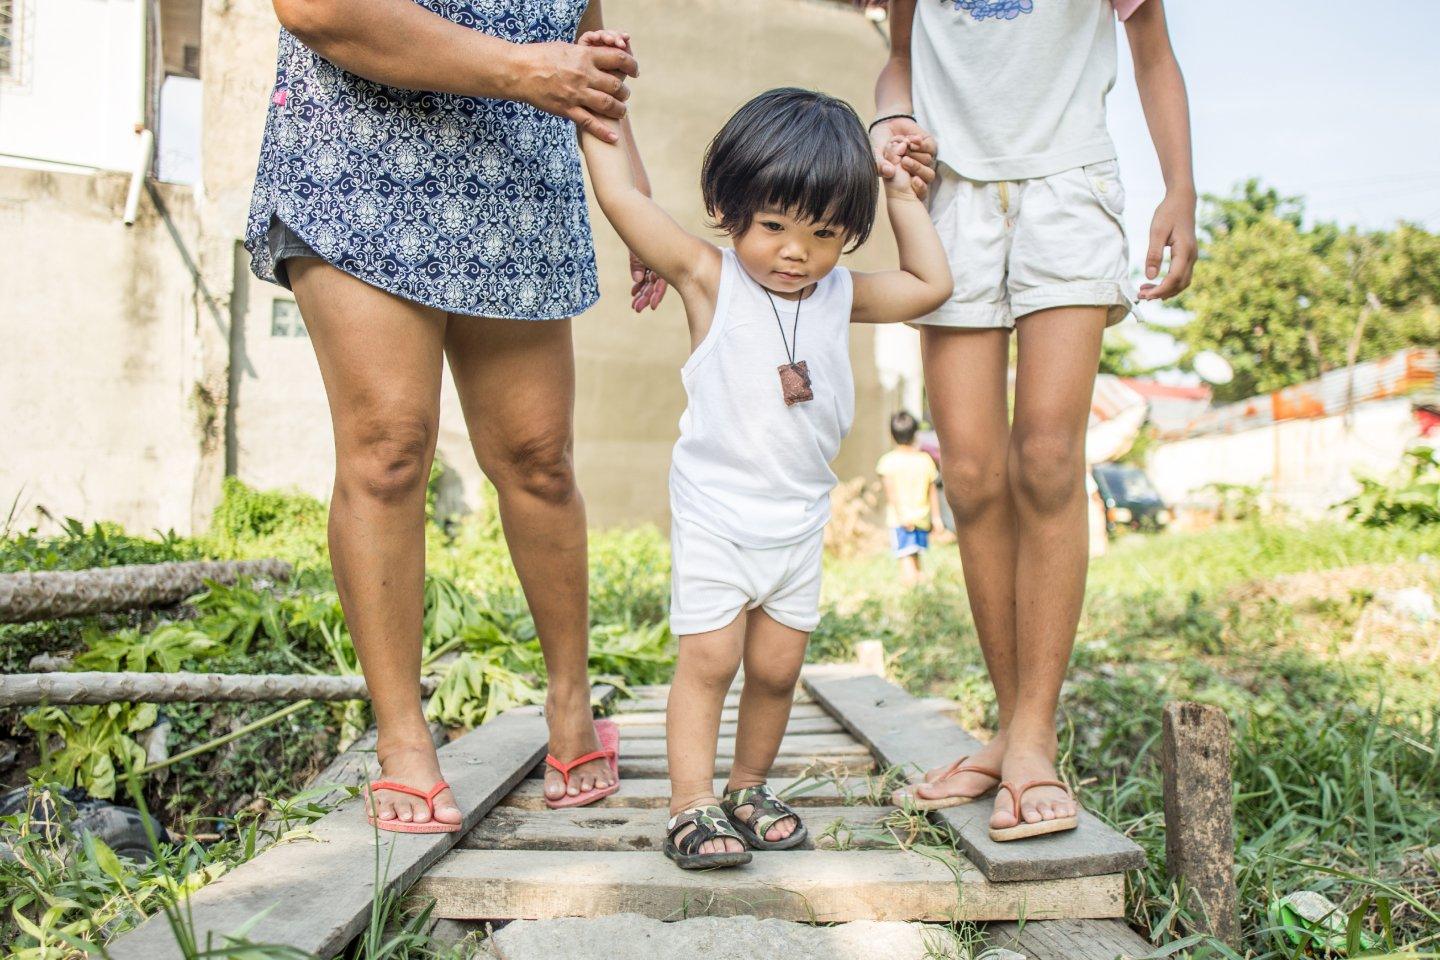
[642, 792]
[1069, 939]
[908, 733]
[314, 893]
[816, 886]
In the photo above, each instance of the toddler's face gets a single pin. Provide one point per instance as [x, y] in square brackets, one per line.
[785, 254]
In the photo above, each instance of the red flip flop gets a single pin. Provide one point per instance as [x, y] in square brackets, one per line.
[609, 736]
[410, 826]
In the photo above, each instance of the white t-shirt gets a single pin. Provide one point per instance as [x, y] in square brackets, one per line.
[1014, 89]
[747, 467]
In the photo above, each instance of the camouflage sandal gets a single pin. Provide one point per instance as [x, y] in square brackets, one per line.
[710, 823]
[766, 810]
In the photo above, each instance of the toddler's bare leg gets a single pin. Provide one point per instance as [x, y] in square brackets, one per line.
[706, 666]
[774, 654]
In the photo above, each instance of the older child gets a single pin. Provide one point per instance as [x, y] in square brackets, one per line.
[912, 502]
[790, 179]
[1027, 197]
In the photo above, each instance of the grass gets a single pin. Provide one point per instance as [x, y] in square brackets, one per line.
[1335, 711]
[1334, 707]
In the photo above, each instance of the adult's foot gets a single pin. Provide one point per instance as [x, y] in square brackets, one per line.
[1025, 762]
[415, 764]
[719, 844]
[970, 783]
[572, 734]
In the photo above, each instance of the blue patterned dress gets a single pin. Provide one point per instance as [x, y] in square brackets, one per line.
[470, 205]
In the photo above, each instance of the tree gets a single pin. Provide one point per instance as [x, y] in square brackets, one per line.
[1285, 303]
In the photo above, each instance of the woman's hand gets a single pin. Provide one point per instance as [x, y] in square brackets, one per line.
[581, 81]
[1173, 227]
[909, 146]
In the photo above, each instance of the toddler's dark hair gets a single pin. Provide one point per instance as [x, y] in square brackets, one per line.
[903, 427]
[795, 150]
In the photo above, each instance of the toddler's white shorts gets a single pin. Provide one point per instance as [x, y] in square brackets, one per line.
[713, 579]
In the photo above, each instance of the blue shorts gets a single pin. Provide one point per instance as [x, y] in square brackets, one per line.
[909, 541]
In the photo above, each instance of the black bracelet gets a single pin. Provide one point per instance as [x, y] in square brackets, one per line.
[893, 116]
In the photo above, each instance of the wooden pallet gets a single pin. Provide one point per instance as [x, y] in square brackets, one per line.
[524, 861]
[521, 860]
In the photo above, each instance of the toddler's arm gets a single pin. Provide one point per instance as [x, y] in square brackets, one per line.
[923, 281]
[684, 260]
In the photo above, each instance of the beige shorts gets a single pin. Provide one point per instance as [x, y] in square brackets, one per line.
[1016, 247]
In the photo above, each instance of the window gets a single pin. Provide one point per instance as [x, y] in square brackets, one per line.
[285, 319]
[11, 39]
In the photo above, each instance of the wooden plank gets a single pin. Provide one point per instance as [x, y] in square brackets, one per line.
[333, 875]
[588, 828]
[639, 792]
[728, 715]
[798, 746]
[1200, 815]
[850, 764]
[905, 732]
[657, 702]
[817, 886]
[1069, 939]
[656, 731]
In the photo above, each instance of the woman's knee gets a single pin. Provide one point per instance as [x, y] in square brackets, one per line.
[973, 484]
[387, 457]
[542, 467]
[1047, 469]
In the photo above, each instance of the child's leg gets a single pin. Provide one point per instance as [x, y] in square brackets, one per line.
[1059, 352]
[965, 375]
[774, 654]
[910, 569]
[706, 666]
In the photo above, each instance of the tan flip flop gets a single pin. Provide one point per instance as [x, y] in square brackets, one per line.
[1022, 829]
[907, 797]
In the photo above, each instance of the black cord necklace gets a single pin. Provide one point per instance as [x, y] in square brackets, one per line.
[794, 376]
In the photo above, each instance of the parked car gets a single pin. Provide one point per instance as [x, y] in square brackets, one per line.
[1131, 500]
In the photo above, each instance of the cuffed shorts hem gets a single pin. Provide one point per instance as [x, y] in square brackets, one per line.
[1076, 293]
[972, 316]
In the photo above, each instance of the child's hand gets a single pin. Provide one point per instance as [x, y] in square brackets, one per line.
[1173, 227]
[898, 180]
[605, 38]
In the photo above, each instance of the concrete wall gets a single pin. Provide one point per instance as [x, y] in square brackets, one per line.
[1306, 466]
[100, 417]
[700, 61]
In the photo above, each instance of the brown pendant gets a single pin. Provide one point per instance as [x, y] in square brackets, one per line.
[795, 383]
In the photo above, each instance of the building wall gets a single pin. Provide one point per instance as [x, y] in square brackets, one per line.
[629, 395]
[1306, 466]
[102, 419]
[56, 111]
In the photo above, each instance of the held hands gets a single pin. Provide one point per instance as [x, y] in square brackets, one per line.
[1173, 227]
[584, 82]
[903, 145]
[647, 288]
[900, 184]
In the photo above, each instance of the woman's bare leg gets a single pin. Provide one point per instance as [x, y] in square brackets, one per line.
[516, 380]
[774, 654]
[380, 359]
[1059, 352]
[703, 672]
[965, 374]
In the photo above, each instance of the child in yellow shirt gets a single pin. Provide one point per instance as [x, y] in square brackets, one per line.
[912, 502]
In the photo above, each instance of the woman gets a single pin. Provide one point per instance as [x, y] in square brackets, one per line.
[419, 189]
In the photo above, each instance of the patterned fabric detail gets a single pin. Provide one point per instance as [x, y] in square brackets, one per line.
[766, 809]
[470, 205]
[710, 822]
[994, 9]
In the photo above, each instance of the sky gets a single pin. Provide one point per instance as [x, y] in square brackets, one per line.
[1338, 102]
